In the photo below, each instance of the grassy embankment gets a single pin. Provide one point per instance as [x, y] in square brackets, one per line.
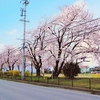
[91, 81]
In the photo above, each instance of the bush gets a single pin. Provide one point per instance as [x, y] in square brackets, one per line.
[71, 69]
[5, 73]
[27, 73]
[16, 73]
[1, 73]
[10, 73]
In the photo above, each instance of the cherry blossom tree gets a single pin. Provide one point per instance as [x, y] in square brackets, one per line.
[35, 48]
[69, 30]
[2, 61]
[18, 59]
[62, 39]
[10, 57]
[94, 46]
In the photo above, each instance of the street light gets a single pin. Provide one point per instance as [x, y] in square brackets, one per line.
[23, 14]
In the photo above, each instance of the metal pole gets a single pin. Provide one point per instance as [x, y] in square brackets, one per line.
[23, 13]
[23, 49]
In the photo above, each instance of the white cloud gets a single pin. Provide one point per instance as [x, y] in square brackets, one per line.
[91, 5]
[13, 31]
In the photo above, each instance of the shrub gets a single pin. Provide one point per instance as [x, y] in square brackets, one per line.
[71, 69]
[1, 73]
[10, 73]
[16, 73]
[27, 73]
[5, 73]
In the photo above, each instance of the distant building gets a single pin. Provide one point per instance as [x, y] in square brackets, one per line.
[95, 70]
[85, 69]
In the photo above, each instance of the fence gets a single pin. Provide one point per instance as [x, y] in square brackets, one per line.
[88, 83]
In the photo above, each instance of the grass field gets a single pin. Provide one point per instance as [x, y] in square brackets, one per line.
[88, 75]
[79, 75]
[91, 81]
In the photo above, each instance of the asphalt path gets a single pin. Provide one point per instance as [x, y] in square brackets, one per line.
[21, 91]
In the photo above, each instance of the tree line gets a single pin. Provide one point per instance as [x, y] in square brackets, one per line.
[68, 37]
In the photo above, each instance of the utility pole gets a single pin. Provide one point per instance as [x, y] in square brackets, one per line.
[23, 14]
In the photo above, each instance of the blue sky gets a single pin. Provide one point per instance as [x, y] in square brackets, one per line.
[37, 10]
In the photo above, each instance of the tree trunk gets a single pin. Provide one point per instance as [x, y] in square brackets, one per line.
[12, 66]
[38, 72]
[9, 67]
[59, 71]
[2, 66]
[18, 67]
[56, 70]
[31, 69]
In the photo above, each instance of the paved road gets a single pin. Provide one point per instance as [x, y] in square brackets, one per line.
[20, 91]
